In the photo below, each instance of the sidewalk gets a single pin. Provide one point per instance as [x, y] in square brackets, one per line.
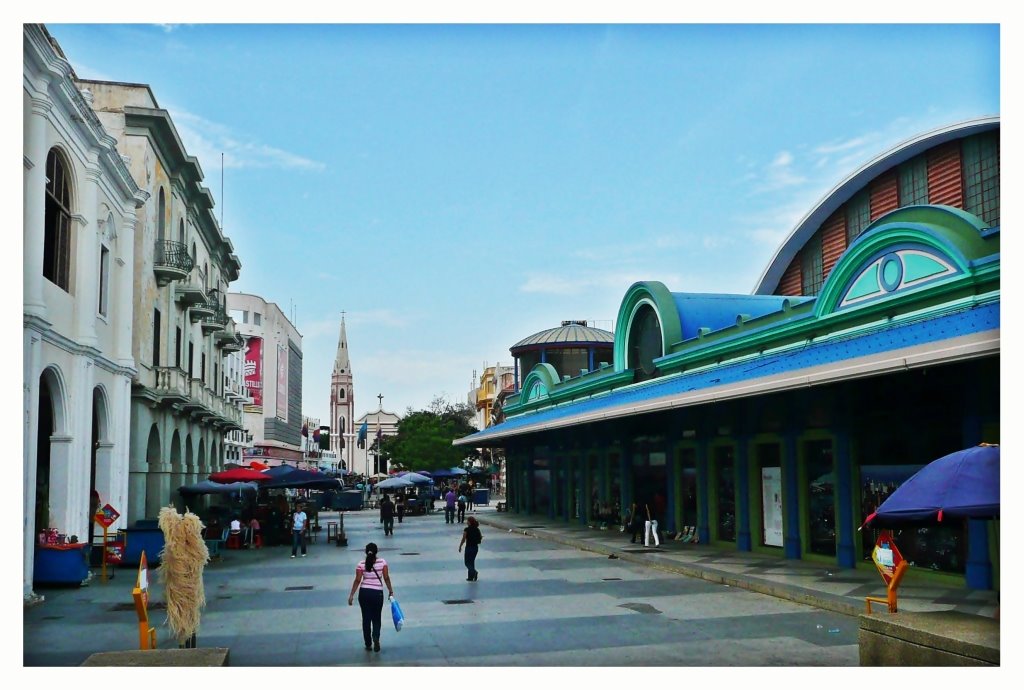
[825, 587]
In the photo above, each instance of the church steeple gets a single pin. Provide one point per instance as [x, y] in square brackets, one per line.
[341, 364]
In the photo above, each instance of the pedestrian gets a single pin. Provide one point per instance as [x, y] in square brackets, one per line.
[462, 508]
[371, 576]
[400, 506]
[299, 523]
[636, 523]
[650, 527]
[471, 538]
[387, 515]
[449, 507]
[469, 496]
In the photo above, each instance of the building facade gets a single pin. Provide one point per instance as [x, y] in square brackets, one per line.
[379, 424]
[181, 332]
[484, 395]
[272, 367]
[236, 441]
[79, 220]
[778, 421]
[342, 406]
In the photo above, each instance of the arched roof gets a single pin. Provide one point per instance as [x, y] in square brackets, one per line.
[846, 189]
[566, 335]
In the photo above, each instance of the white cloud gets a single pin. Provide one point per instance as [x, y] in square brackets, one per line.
[207, 140]
[593, 281]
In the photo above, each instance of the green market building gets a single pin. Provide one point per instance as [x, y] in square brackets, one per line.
[777, 421]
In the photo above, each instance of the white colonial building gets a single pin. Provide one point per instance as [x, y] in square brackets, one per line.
[79, 225]
[181, 409]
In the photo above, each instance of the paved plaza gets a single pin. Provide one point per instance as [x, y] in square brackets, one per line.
[537, 603]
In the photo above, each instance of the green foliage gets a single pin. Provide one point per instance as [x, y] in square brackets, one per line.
[424, 438]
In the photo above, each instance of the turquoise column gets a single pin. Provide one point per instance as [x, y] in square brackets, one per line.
[742, 474]
[978, 570]
[670, 490]
[791, 509]
[703, 519]
[844, 493]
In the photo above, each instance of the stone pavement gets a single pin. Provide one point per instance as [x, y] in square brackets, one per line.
[825, 587]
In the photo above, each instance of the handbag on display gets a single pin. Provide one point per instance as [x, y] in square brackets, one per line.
[396, 614]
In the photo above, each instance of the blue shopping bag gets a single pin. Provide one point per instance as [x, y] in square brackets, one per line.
[396, 614]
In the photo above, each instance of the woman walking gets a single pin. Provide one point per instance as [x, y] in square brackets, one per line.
[387, 515]
[371, 576]
[471, 538]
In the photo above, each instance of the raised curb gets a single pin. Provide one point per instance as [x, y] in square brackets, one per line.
[795, 594]
[212, 656]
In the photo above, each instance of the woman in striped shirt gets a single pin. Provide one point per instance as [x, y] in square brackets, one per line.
[371, 576]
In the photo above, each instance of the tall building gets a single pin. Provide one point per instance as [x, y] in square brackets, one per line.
[181, 332]
[79, 219]
[272, 366]
[484, 395]
[342, 402]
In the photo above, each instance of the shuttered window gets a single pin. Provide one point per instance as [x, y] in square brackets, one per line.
[858, 216]
[914, 182]
[981, 177]
[810, 266]
[57, 229]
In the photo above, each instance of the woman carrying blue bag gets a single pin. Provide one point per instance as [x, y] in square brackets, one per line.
[371, 576]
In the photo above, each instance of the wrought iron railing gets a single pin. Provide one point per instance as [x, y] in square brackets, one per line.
[173, 254]
[219, 317]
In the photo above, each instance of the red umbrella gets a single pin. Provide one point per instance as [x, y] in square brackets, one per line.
[258, 465]
[239, 474]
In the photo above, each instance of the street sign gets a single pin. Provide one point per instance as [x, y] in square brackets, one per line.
[106, 516]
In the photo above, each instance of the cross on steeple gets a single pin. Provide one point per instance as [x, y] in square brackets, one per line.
[380, 401]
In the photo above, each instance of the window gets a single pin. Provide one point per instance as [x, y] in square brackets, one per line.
[191, 358]
[914, 182]
[177, 347]
[161, 210]
[216, 379]
[202, 367]
[810, 266]
[156, 337]
[858, 216]
[245, 317]
[104, 279]
[341, 394]
[981, 177]
[57, 234]
[645, 343]
[256, 320]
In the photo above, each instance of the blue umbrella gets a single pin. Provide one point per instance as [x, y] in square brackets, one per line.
[964, 484]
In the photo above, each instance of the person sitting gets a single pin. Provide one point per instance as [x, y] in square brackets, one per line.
[236, 526]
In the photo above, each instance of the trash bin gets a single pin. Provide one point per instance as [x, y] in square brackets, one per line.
[481, 497]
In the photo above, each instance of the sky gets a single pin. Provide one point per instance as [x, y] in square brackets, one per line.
[454, 188]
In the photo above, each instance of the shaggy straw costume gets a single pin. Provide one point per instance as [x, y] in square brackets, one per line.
[181, 570]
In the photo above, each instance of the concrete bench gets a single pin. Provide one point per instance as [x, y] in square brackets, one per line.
[933, 638]
[211, 656]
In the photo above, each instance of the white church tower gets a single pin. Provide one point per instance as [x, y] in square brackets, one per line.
[343, 437]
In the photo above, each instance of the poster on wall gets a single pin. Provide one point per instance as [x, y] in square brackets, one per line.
[282, 383]
[253, 370]
[771, 502]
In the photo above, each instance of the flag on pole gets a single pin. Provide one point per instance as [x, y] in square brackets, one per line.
[361, 439]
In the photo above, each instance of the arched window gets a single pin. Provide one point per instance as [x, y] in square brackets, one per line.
[181, 232]
[341, 394]
[161, 209]
[57, 234]
[644, 343]
[341, 426]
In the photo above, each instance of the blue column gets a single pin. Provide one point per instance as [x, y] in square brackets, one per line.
[590, 358]
[978, 571]
[670, 489]
[742, 494]
[703, 521]
[543, 356]
[791, 509]
[625, 475]
[844, 493]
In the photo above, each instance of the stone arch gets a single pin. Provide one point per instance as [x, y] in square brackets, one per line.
[161, 217]
[177, 465]
[52, 446]
[201, 460]
[100, 456]
[155, 473]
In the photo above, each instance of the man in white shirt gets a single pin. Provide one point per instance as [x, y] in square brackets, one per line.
[298, 530]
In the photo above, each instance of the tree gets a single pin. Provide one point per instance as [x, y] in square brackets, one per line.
[424, 438]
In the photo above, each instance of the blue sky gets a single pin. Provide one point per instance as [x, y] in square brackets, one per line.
[456, 188]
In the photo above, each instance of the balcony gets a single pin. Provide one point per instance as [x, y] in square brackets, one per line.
[170, 262]
[236, 344]
[189, 293]
[172, 385]
[217, 319]
[227, 339]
